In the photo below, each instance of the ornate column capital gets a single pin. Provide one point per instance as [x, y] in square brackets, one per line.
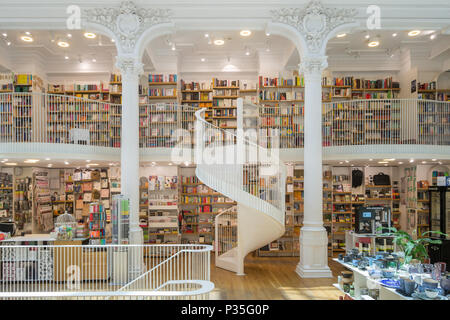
[313, 65]
[129, 66]
[314, 23]
[127, 22]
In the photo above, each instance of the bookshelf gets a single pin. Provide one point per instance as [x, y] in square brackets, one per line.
[199, 205]
[423, 207]
[42, 211]
[157, 125]
[364, 123]
[197, 95]
[432, 120]
[23, 107]
[162, 87]
[97, 224]
[6, 196]
[224, 108]
[288, 244]
[23, 204]
[162, 197]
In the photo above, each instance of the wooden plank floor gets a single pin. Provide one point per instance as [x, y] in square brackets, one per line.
[272, 278]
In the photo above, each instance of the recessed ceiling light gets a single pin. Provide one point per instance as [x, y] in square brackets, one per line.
[5, 34]
[411, 161]
[47, 159]
[90, 35]
[8, 43]
[433, 36]
[31, 161]
[373, 43]
[414, 33]
[245, 33]
[367, 36]
[94, 60]
[11, 164]
[346, 161]
[341, 35]
[26, 38]
[170, 163]
[206, 35]
[27, 33]
[187, 163]
[202, 59]
[69, 35]
[63, 44]
[267, 34]
[88, 160]
[66, 163]
[370, 159]
[112, 40]
[394, 34]
[400, 162]
[219, 42]
[66, 57]
[174, 47]
[424, 162]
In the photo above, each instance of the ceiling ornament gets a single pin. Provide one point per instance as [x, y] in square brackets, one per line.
[314, 23]
[128, 22]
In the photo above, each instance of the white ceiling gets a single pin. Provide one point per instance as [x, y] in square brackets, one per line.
[192, 45]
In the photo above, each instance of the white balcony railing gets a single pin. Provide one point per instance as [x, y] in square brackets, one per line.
[30, 120]
[386, 122]
[106, 271]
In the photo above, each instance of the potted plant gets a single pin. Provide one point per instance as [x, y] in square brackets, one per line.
[413, 249]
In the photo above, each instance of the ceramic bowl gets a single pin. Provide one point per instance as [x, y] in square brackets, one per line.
[387, 273]
[445, 284]
[431, 293]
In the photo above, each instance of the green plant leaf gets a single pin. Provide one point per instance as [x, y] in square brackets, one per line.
[434, 232]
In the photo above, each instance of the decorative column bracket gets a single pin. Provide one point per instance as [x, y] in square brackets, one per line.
[126, 25]
[315, 24]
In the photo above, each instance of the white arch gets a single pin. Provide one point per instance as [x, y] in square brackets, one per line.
[150, 34]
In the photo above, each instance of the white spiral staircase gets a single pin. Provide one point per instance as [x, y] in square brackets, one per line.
[252, 176]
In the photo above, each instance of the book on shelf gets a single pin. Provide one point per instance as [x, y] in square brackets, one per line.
[115, 78]
[426, 85]
[225, 83]
[204, 85]
[162, 78]
[162, 92]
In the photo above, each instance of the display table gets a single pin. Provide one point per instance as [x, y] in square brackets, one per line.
[360, 278]
[38, 257]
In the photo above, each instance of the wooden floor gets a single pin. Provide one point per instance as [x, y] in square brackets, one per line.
[272, 278]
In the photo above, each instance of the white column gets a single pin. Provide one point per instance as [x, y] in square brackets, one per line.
[313, 236]
[130, 68]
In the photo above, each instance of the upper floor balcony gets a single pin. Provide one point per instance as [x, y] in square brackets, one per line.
[61, 126]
